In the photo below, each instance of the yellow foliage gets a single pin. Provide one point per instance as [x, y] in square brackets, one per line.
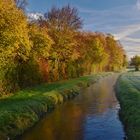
[14, 38]
[41, 42]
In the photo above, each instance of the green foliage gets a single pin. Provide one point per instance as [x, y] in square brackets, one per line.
[129, 96]
[28, 74]
[136, 62]
[8, 81]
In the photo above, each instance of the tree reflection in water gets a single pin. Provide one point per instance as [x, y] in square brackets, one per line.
[93, 115]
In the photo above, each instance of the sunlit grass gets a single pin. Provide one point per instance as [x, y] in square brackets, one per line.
[128, 88]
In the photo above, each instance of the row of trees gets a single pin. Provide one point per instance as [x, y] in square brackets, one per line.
[51, 48]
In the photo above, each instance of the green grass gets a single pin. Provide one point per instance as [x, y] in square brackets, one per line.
[128, 89]
[24, 108]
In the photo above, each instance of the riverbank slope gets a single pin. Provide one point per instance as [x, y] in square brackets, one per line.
[24, 109]
[128, 89]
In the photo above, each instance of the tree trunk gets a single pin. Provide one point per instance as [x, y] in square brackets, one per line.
[136, 68]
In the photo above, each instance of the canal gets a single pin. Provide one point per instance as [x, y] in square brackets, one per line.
[93, 115]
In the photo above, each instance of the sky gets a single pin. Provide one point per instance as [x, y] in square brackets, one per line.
[118, 17]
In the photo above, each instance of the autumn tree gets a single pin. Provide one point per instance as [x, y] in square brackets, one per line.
[40, 52]
[135, 61]
[63, 18]
[62, 24]
[51, 48]
[92, 52]
[41, 42]
[14, 42]
[116, 53]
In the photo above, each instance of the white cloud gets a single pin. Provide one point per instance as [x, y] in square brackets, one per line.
[123, 22]
[133, 40]
[34, 16]
[126, 31]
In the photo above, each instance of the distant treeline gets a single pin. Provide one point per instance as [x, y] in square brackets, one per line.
[52, 48]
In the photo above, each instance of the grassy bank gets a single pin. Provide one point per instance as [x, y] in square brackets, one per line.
[128, 89]
[24, 108]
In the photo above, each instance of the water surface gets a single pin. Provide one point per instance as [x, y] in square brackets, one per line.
[93, 115]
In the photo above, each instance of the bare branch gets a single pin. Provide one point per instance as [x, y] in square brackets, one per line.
[66, 17]
[21, 4]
